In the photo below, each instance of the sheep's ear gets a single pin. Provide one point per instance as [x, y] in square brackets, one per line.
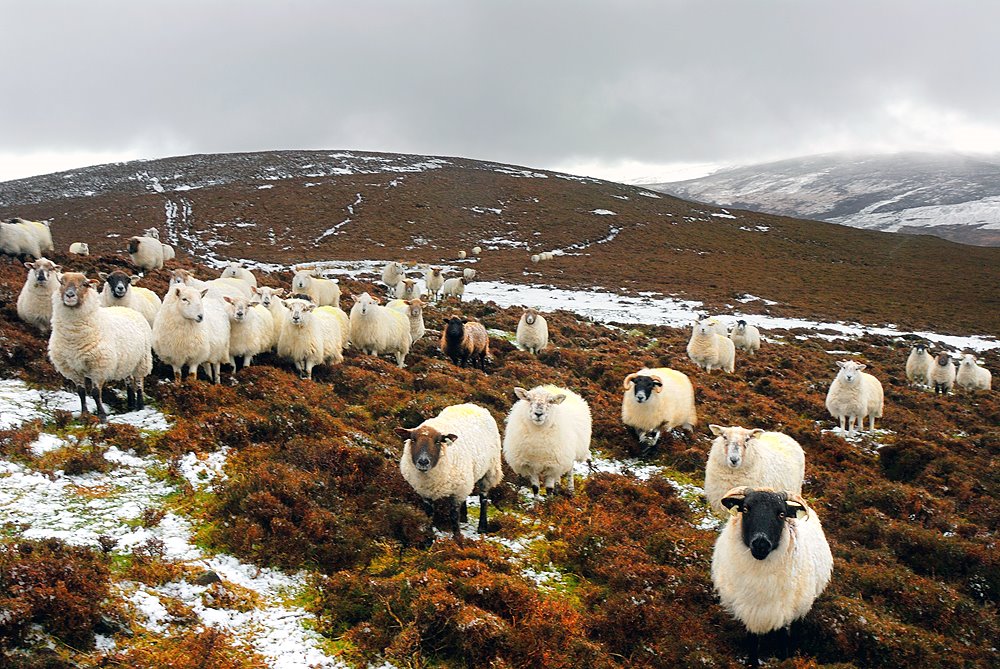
[402, 432]
[94, 283]
[134, 279]
[253, 289]
[204, 292]
[448, 439]
[860, 366]
[103, 275]
[521, 393]
[558, 399]
[279, 293]
[407, 302]
[177, 291]
[733, 500]
[228, 299]
[61, 279]
[57, 268]
[756, 432]
[841, 363]
[717, 430]
[795, 509]
[309, 307]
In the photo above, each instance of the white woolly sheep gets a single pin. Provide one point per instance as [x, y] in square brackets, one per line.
[168, 252]
[971, 376]
[151, 232]
[771, 560]
[535, 258]
[18, 240]
[451, 456]
[414, 312]
[462, 255]
[40, 231]
[310, 336]
[92, 345]
[192, 329]
[250, 330]
[742, 457]
[270, 298]
[710, 350]
[343, 320]
[918, 365]
[853, 395]
[34, 303]
[745, 337]
[236, 270]
[434, 280]
[454, 287]
[79, 249]
[407, 289]
[469, 274]
[321, 291]
[392, 274]
[119, 290]
[376, 329]
[657, 400]
[476, 250]
[941, 376]
[532, 331]
[548, 429]
[146, 253]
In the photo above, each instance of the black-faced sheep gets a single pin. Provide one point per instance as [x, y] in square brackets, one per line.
[462, 341]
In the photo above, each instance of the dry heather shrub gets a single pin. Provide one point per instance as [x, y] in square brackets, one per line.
[188, 649]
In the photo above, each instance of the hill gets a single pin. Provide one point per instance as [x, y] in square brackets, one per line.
[952, 196]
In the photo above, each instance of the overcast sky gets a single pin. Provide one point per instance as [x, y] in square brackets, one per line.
[616, 89]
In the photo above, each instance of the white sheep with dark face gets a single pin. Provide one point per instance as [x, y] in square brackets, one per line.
[657, 400]
[942, 374]
[918, 365]
[532, 331]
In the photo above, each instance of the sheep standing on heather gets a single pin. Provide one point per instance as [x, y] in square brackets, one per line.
[853, 395]
[251, 328]
[321, 291]
[771, 561]
[469, 274]
[34, 303]
[742, 457]
[463, 341]
[745, 337]
[710, 350]
[942, 374]
[532, 331]
[454, 287]
[376, 329]
[657, 400]
[79, 249]
[92, 345]
[451, 456]
[548, 430]
[971, 376]
[392, 274]
[191, 330]
[270, 298]
[146, 253]
[918, 365]
[414, 312]
[119, 290]
[434, 280]
[236, 270]
[310, 337]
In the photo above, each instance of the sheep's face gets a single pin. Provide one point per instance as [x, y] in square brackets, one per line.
[530, 316]
[267, 294]
[75, 289]
[436, 272]
[944, 359]
[152, 232]
[643, 387]
[920, 349]
[42, 270]
[84, 249]
[540, 403]
[301, 281]
[118, 283]
[740, 327]
[232, 271]
[703, 327]
[415, 308]
[364, 304]
[133, 245]
[763, 514]
[455, 329]
[189, 302]
[850, 371]
[179, 277]
[968, 361]
[735, 439]
[299, 311]
[426, 445]
[237, 307]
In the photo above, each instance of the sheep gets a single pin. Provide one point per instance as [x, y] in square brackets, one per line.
[547, 255]
[656, 400]
[392, 274]
[18, 240]
[710, 350]
[321, 291]
[941, 375]
[414, 312]
[91, 345]
[343, 320]
[853, 395]
[79, 249]
[119, 290]
[972, 376]
[451, 456]
[310, 336]
[34, 303]
[377, 329]
[745, 337]
[146, 253]
[192, 330]
[251, 328]
[532, 331]
[236, 270]
[151, 232]
[409, 290]
[168, 252]
[535, 258]
[218, 288]
[547, 430]
[434, 280]
[716, 325]
[918, 365]
[771, 561]
[40, 231]
[742, 457]
[464, 341]
[469, 274]
[462, 255]
[476, 250]
[454, 287]
[270, 298]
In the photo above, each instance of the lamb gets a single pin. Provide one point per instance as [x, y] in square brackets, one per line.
[377, 329]
[34, 303]
[192, 330]
[451, 456]
[251, 328]
[414, 312]
[941, 375]
[657, 400]
[469, 274]
[79, 249]
[434, 280]
[119, 290]
[18, 240]
[745, 337]
[464, 341]
[853, 395]
[548, 429]
[392, 274]
[91, 345]
[236, 270]
[409, 291]
[710, 350]
[532, 331]
[454, 287]
[771, 561]
[918, 365]
[40, 231]
[271, 299]
[741, 457]
[321, 291]
[476, 250]
[146, 253]
[972, 376]
[310, 336]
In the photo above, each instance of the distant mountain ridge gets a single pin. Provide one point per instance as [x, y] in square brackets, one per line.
[954, 196]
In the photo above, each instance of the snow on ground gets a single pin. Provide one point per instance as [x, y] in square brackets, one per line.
[22, 404]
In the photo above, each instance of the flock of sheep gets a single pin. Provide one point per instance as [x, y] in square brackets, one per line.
[771, 560]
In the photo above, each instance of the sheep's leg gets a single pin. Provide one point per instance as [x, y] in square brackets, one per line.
[454, 515]
[309, 369]
[247, 359]
[400, 358]
[464, 512]
[570, 483]
[428, 507]
[842, 418]
[465, 359]
[140, 388]
[871, 423]
[130, 391]
[483, 501]
[534, 485]
[753, 650]
[102, 414]
[82, 392]
[550, 485]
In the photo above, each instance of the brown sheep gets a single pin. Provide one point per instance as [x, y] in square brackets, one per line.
[462, 340]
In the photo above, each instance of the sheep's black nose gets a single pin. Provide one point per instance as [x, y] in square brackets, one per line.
[760, 547]
[734, 461]
[200, 318]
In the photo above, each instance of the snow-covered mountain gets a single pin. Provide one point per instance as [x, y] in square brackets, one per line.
[953, 196]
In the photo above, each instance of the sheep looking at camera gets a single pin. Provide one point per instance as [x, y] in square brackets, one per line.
[853, 395]
[532, 331]
[34, 302]
[657, 400]
[971, 376]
